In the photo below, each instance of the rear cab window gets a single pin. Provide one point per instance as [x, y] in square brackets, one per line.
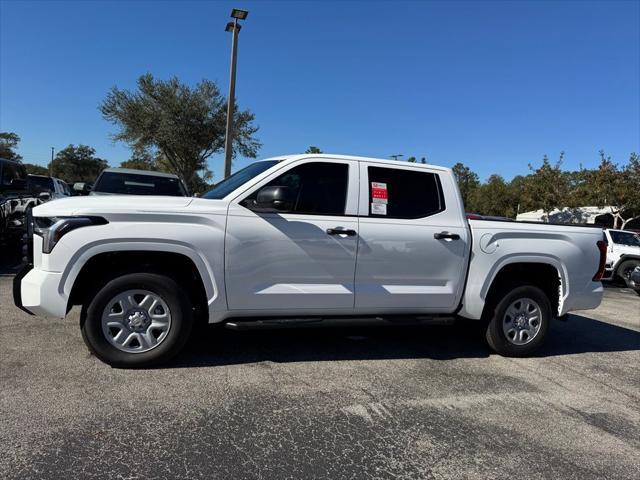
[403, 193]
[138, 184]
[41, 183]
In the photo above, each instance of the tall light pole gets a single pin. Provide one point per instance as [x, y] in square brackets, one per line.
[51, 164]
[233, 27]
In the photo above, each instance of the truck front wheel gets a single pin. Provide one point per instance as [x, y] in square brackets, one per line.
[137, 320]
[520, 322]
[625, 269]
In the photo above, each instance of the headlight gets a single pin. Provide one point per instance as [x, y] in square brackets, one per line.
[52, 229]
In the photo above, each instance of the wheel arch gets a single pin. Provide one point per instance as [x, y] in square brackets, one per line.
[484, 272]
[100, 262]
[546, 275]
[623, 258]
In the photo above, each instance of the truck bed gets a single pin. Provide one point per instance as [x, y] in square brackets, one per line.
[571, 249]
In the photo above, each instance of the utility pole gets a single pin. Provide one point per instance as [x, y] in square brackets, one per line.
[51, 164]
[233, 27]
[395, 157]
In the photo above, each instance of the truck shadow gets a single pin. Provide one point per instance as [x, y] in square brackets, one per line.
[215, 346]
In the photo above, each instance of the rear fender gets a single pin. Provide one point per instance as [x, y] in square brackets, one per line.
[476, 292]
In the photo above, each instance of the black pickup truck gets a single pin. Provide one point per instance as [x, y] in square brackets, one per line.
[15, 199]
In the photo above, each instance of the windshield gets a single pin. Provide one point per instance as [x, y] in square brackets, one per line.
[228, 185]
[625, 238]
[41, 183]
[133, 184]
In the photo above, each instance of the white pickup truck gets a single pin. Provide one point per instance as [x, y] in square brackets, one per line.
[301, 237]
[623, 255]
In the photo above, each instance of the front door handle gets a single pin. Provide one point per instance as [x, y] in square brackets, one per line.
[341, 231]
[446, 235]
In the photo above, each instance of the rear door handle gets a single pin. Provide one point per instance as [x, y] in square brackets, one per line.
[341, 231]
[446, 235]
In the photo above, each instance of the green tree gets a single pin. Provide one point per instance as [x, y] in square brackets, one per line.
[185, 125]
[77, 164]
[631, 185]
[577, 191]
[492, 198]
[617, 188]
[33, 169]
[546, 187]
[313, 149]
[413, 159]
[8, 143]
[140, 160]
[468, 182]
[519, 202]
[606, 186]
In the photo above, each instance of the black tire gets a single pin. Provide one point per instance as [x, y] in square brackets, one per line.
[495, 335]
[164, 287]
[624, 267]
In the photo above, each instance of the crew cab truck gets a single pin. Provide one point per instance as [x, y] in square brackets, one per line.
[298, 237]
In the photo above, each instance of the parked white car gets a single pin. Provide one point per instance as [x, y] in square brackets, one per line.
[623, 255]
[299, 237]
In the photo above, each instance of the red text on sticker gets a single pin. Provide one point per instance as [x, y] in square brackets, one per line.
[379, 192]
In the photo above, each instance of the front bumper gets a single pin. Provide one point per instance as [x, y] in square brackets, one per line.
[37, 292]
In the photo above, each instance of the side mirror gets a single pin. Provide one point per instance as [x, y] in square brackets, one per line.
[275, 197]
[44, 196]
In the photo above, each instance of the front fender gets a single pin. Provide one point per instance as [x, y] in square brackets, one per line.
[82, 256]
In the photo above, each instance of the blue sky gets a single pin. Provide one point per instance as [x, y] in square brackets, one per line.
[495, 85]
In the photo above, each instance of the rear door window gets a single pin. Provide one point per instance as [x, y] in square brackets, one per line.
[399, 193]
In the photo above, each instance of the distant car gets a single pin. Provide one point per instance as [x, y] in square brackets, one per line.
[15, 199]
[56, 188]
[623, 254]
[635, 279]
[126, 181]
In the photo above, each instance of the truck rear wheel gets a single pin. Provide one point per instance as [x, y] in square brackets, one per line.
[137, 320]
[520, 322]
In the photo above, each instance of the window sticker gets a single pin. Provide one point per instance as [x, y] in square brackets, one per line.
[378, 208]
[379, 194]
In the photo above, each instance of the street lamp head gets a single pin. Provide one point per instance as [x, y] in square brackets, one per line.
[239, 14]
[231, 26]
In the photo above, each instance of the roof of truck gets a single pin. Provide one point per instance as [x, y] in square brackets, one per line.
[356, 158]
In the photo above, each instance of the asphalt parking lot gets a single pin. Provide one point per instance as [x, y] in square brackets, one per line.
[357, 402]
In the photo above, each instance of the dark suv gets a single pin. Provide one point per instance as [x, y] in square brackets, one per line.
[15, 199]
